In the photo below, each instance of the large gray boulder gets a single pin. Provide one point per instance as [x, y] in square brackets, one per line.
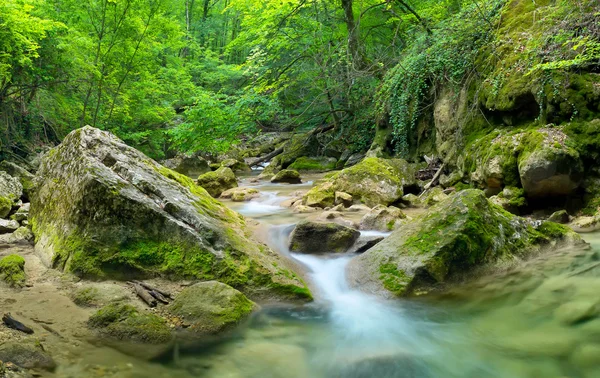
[316, 237]
[103, 209]
[448, 243]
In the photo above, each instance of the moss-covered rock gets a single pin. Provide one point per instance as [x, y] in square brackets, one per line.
[560, 216]
[104, 210]
[189, 165]
[211, 307]
[218, 181]
[316, 237]
[314, 164]
[433, 196]
[27, 355]
[25, 177]
[373, 181]
[447, 243]
[235, 165]
[288, 176]
[299, 145]
[382, 218]
[12, 270]
[11, 191]
[510, 199]
[240, 194]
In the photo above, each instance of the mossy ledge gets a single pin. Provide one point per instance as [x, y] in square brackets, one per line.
[104, 210]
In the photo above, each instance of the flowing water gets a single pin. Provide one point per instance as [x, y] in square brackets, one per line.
[515, 324]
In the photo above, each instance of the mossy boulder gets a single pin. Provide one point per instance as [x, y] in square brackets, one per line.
[288, 176]
[315, 237]
[27, 355]
[211, 307]
[240, 194]
[189, 165]
[433, 196]
[511, 199]
[235, 165]
[104, 210]
[299, 145]
[560, 216]
[11, 191]
[216, 182]
[23, 175]
[373, 181]
[314, 164]
[12, 270]
[449, 242]
[382, 218]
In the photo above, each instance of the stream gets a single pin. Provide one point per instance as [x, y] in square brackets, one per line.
[505, 325]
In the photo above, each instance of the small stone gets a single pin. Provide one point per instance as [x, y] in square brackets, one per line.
[344, 199]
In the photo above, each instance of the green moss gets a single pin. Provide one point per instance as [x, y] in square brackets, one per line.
[313, 164]
[5, 206]
[86, 297]
[393, 279]
[12, 270]
[125, 322]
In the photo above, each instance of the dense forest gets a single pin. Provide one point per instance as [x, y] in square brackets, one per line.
[172, 76]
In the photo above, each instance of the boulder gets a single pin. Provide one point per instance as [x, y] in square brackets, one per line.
[7, 226]
[211, 307]
[433, 196]
[216, 182]
[560, 216]
[104, 210]
[240, 194]
[447, 181]
[236, 165]
[364, 243]
[354, 159]
[315, 237]
[12, 270]
[382, 218]
[302, 209]
[510, 199]
[189, 165]
[344, 199]
[27, 355]
[412, 200]
[336, 217]
[11, 191]
[448, 243]
[373, 181]
[23, 175]
[288, 176]
[585, 223]
[314, 164]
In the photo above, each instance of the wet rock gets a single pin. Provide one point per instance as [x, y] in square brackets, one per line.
[12, 270]
[240, 194]
[24, 176]
[344, 199]
[448, 242]
[27, 355]
[373, 181]
[314, 237]
[382, 218]
[105, 210]
[364, 243]
[288, 176]
[7, 226]
[576, 311]
[189, 165]
[218, 181]
[11, 191]
[211, 307]
[560, 216]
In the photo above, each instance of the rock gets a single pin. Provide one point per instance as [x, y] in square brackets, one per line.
[192, 166]
[314, 164]
[7, 226]
[236, 165]
[268, 172]
[358, 208]
[132, 331]
[576, 312]
[22, 235]
[412, 200]
[301, 209]
[211, 307]
[510, 199]
[560, 216]
[24, 176]
[214, 166]
[27, 355]
[344, 199]
[447, 243]
[104, 210]
[12, 270]
[353, 160]
[336, 217]
[218, 181]
[11, 191]
[433, 196]
[550, 171]
[240, 194]
[585, 223]
[364, 243]
[447, 181]
[288, 176]
[338, 208]
[314, 237]
[382, 218]
[373, 181]
[22, 213]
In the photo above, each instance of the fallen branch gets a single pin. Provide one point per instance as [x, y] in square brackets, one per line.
[268, 156]
[434, 179]
[152, 288]
[143, 294]
[158, 296]
[15, 324]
